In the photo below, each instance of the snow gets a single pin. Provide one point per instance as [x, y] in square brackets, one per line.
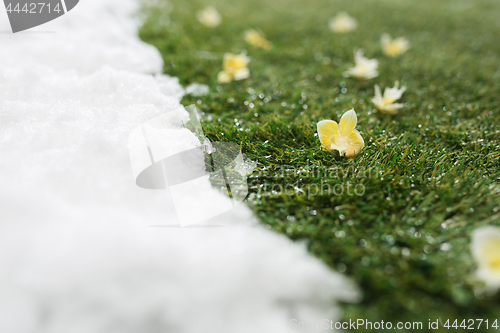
[83, 249]
[197, 89]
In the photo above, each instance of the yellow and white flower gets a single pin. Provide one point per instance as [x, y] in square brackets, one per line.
[485, 248]
[209, 17]
[364, 68]
[386, 103]
[234, 68]
[255, 38]
[346, 139]
[342, 23]
[394, 47]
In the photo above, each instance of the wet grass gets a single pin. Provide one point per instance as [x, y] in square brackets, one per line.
[397, 218]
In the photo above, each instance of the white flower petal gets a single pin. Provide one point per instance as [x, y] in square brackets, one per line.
[242, 74]
[485, 247]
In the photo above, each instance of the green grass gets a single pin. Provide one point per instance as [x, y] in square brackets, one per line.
[430, 174]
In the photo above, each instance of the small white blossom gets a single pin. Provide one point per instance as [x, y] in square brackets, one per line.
[342, 23]
[364, 68]
[255, 38]
[394, 47]
[485, 248]
[386, 103]
[234, 68]
[342, 137]
[209, 17]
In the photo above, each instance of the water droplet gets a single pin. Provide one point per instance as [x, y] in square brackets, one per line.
[446, 247]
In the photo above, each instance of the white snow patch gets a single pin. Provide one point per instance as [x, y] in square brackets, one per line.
[197, 89]
[77, 248]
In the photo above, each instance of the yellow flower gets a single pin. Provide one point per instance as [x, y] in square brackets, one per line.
[364, 68]
[394, 47]
[345, 139]
[386, 103]
[209, 17]
[342, 22]
[234, 68]
[255, 38]
[485, 248]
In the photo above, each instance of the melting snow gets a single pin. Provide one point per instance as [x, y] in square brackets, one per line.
[78, 251]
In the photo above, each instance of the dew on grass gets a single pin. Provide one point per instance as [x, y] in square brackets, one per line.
[446, 247]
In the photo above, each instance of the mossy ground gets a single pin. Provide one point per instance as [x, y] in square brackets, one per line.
[430, 174]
